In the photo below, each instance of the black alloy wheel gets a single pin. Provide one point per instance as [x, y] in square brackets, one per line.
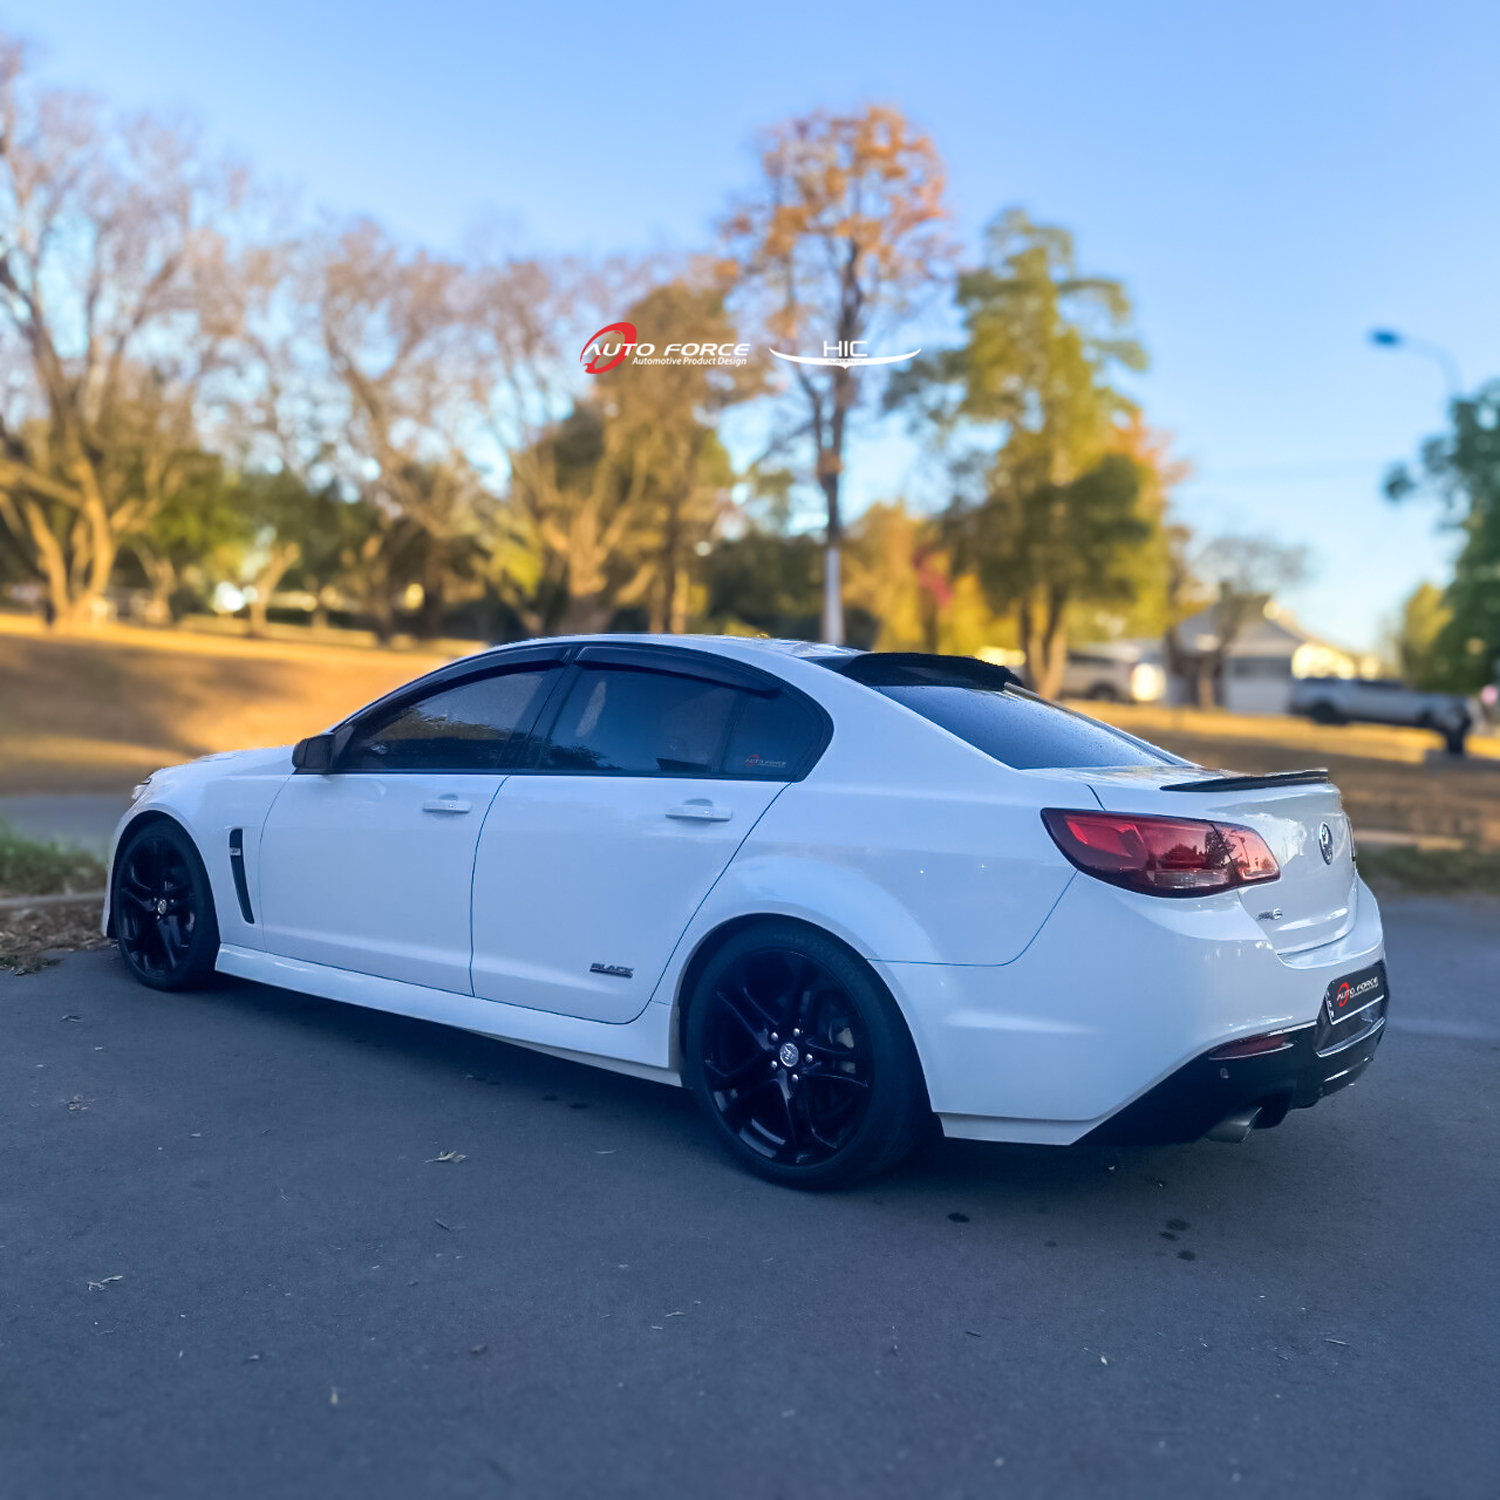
[801, 1060]
[163, 909]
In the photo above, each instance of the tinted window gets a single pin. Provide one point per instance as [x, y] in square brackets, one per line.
[772, 738]
[651, 723]
[1025, 732]
[467, 727]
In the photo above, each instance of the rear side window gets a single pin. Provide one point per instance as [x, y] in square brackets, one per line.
[773, 738]
[648, 723]
[982, 705]
[467, 727]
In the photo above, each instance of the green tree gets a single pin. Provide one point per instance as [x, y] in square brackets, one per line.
[665, 439]
[1424, 617]
[196, 522]
[1462, 468]
[618, 502]
[1053, 514]
[766, 582]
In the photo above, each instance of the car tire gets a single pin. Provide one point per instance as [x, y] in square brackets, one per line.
[801, 1061]
[162, 908]
[1325, 713]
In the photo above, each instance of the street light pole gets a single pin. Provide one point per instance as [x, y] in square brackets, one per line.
[1389, 338]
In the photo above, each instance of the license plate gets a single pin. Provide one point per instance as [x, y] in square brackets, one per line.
[1355, 994]
[1352, 1008]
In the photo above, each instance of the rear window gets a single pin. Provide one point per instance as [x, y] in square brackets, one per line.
[984, 705]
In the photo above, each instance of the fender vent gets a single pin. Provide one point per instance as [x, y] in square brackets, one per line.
[237, 867]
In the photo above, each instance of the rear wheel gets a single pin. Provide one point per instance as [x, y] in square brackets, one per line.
[1325, 713]
[801, 1061]
[163, 909]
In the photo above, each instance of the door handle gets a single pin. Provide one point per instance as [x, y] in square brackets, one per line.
[701, 811]
[446, 805]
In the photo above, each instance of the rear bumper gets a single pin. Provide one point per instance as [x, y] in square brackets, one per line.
[1315, 1061]
[1119, 999]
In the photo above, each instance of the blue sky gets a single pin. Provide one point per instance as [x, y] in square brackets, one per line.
[1271, 181]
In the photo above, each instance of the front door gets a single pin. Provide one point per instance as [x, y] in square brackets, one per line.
[593, 861]
[369, 867]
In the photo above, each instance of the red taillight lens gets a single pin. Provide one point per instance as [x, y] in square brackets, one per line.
[1161, 856]
[1252, 1046]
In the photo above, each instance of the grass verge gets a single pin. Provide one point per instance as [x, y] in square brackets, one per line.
[29, 868]
[1434, 872]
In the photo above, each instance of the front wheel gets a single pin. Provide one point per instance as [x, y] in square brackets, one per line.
[801, 1061]
[163, 909]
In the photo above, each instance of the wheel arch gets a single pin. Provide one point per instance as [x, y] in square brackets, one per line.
[713, 941]
[146, 816]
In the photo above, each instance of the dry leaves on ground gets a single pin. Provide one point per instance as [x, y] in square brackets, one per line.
[27, 936]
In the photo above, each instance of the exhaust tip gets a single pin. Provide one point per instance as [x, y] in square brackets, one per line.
[1234, 1128]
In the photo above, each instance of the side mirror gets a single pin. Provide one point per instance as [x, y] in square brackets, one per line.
[315, 754]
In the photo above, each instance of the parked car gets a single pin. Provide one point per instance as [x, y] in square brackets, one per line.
[831, 892]
[1116, 672]
[1382, 700]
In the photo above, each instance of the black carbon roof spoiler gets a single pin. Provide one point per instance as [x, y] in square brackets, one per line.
[1250, 783]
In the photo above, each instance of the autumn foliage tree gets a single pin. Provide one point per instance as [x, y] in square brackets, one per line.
[843, 230]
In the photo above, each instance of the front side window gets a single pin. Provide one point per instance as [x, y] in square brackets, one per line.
[470, 726]
[643, 722]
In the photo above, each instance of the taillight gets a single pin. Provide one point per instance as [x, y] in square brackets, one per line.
[1161, 856]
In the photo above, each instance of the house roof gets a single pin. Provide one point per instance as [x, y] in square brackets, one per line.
[1275, 632]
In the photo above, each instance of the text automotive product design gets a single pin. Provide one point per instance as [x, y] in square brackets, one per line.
[831, 892]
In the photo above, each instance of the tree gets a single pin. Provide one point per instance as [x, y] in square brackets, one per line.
[842, 232]
[1462, 468]
[665, 416]
[622, 496]
[390, 326]
[1424, 617]
[195, 523]
[1054, 513]
[902, 573]
[108, 332]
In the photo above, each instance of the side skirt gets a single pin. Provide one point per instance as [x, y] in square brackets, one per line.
[641, 1048]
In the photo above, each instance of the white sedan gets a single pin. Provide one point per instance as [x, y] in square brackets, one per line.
[832, 892]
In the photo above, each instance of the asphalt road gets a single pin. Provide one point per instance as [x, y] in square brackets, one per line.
[233, 1262]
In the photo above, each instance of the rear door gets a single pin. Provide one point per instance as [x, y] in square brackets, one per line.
[593, 861]
[369, 867]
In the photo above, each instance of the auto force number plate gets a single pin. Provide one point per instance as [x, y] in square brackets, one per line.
[1354, 993]
[1352, 1007]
